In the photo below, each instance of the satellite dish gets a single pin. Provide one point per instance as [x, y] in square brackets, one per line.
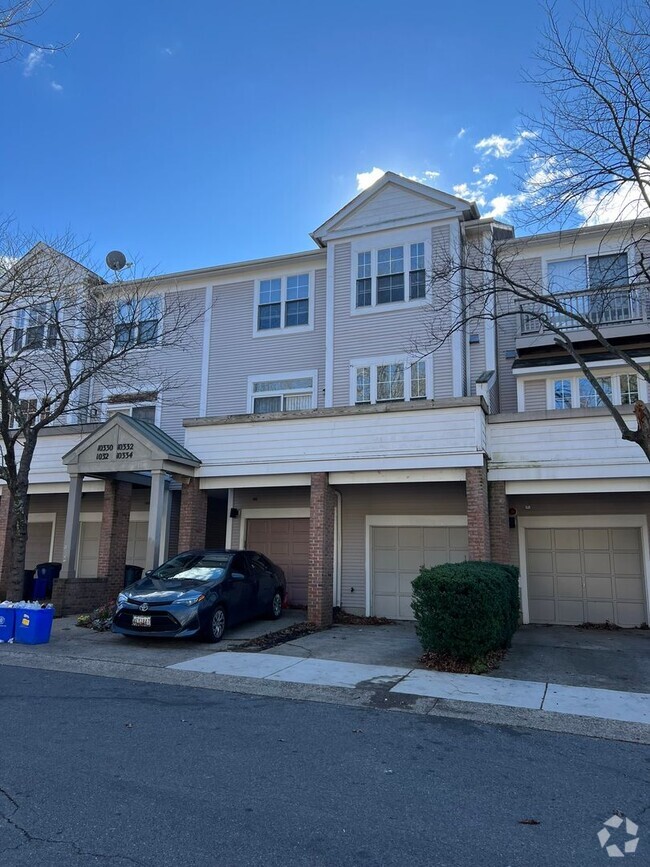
[116, 260]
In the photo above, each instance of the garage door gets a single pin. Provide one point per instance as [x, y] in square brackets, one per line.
[286, 542]
[89, 534]
[397, 553]
[589, 575]
[39, 539]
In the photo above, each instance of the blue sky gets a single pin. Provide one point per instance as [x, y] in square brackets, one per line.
[199, 133]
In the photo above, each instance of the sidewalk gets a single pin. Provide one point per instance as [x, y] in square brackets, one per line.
[607, 704]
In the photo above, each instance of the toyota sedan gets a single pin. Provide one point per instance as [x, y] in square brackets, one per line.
[201, 593]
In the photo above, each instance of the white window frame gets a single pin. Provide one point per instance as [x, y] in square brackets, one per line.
[283, 328]
[110, 409]
[574, 378]
[378, 361]
[383, 242]
[271, 377]
[150, 344]
[19, 323]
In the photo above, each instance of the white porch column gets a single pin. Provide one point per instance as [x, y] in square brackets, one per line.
[71, 533]
[166, 521]
[156, 506]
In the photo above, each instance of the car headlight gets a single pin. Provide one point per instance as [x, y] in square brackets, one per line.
[194, 601]
[122, 598]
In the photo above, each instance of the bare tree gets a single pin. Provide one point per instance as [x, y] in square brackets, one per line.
[67, 338]
[16, 28]
[588, 162]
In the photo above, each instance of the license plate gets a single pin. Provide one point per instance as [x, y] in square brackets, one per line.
[141, 620]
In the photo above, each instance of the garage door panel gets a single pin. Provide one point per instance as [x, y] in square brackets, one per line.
[406, 583]
[386, 538]
[386, 606]
[539, 539]
[411, 559]
[387, 560]
[285, 541]
[409, 537]
[385, 582]
[458, 539]
[456, 557]
[600, 580]
[405, 612]
[627, 563]
[567, 540]
[436, 537]
[437, 557]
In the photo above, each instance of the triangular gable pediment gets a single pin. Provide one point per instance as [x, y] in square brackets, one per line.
[121, 445]
[392, 200]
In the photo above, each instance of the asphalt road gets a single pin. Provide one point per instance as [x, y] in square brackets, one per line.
[106, 771]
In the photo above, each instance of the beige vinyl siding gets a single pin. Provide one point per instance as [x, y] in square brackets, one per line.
[389, 203]
[525, 270]
[235, 354]
[382, 331]
[358, 501]
[535, 395]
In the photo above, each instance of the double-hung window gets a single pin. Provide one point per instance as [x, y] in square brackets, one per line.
[390, 380]
[577, 391]
[588, 394]
[390, 275]
[364, 279]
[282, 395]
[283, 302]
[35, 327]
[417, 274]
[137, 322]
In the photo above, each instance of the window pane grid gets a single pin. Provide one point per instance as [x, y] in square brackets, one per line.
[417, 257]
[268, 316]
[364, 292]
[390, 382]
[296, 313]
[363, 385]
[418, 380]
[629, 388]
[589, 397]
[390, 261]
[363, 266]
[562, 393]
[390, 288]
[417, 285]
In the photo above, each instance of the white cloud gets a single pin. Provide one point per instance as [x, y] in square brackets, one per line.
[367, 179]
[476, 191]
[499, 146]
[461, 132]
[56, 86]
[33, 60]
[625, 203]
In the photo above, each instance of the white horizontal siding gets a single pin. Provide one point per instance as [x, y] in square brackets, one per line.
[390, 203]
[390, 440]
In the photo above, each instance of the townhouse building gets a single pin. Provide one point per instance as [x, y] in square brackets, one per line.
[308, 424]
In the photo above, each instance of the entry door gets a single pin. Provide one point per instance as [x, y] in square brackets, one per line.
[136, 547]
[397, 553]
[89, 535]
[285, 541]
[585, 575]
[39, 541]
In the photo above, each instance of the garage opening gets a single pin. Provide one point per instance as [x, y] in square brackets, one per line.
[285, 541]
[585, 575]
[396, 555]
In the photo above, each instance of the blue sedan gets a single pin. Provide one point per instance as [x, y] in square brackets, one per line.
[201, 592]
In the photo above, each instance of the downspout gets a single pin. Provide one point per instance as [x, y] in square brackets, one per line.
[337, 550]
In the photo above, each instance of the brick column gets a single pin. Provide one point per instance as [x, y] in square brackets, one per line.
[499, 523]
[115, 533]
[320, 587]
[6, 541]
[478, 515]
[193, 517]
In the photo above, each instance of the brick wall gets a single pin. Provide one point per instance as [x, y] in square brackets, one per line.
[499, 523]
[478, 516]
[193, 516]
[320, 587]
[116, 513]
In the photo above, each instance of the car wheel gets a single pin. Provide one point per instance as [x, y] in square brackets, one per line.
[216, 625]
[275, 611]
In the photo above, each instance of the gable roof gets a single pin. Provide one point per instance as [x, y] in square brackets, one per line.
[436, 200]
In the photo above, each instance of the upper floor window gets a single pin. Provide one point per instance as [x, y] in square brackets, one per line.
[137, 322]
[284, 394]
[283, 302]
[141, 405]
[380, 381]
[35, 327]
[622, 389]
[395, 269]
[588, 272]
[27, 410]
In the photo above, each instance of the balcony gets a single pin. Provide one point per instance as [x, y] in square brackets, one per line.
[604, 308]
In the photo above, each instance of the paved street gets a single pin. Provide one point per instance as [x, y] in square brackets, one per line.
[107, 771]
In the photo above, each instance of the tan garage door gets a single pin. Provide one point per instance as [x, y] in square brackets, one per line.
[585, 575]
[397, 553]
[39, 540]
[285, 541]
[89, 534]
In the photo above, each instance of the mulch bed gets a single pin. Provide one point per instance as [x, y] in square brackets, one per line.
[344, 618]
[273, 639]
[443, 662]
[607, 625]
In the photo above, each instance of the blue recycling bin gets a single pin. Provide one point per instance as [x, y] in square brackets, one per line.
[7, 621]
[39, 589]
[33, 625]
[47, 572]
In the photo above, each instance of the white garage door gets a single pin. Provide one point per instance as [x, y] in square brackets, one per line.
[587, 575]
[397, 553]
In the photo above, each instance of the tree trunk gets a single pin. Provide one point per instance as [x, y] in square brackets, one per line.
[17, 532]
[641, 436]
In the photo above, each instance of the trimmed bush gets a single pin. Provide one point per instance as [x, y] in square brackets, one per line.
[466, 609]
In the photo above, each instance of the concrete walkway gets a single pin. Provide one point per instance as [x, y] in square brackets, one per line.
[633, 707]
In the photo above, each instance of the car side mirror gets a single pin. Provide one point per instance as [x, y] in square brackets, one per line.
[239, 576]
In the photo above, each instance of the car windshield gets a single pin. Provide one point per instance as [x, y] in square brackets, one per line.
[192, 567]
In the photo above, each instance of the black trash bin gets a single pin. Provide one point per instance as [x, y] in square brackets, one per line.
[132, 574]
[28, 583]
[46, 574]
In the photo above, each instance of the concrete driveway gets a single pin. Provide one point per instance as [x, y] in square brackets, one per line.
[607, 659]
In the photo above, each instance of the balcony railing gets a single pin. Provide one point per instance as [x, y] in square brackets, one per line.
[600, 307]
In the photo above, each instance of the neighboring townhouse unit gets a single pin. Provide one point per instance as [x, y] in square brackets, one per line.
[309, 425]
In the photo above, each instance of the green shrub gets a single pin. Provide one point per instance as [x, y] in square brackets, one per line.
[466, 609]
